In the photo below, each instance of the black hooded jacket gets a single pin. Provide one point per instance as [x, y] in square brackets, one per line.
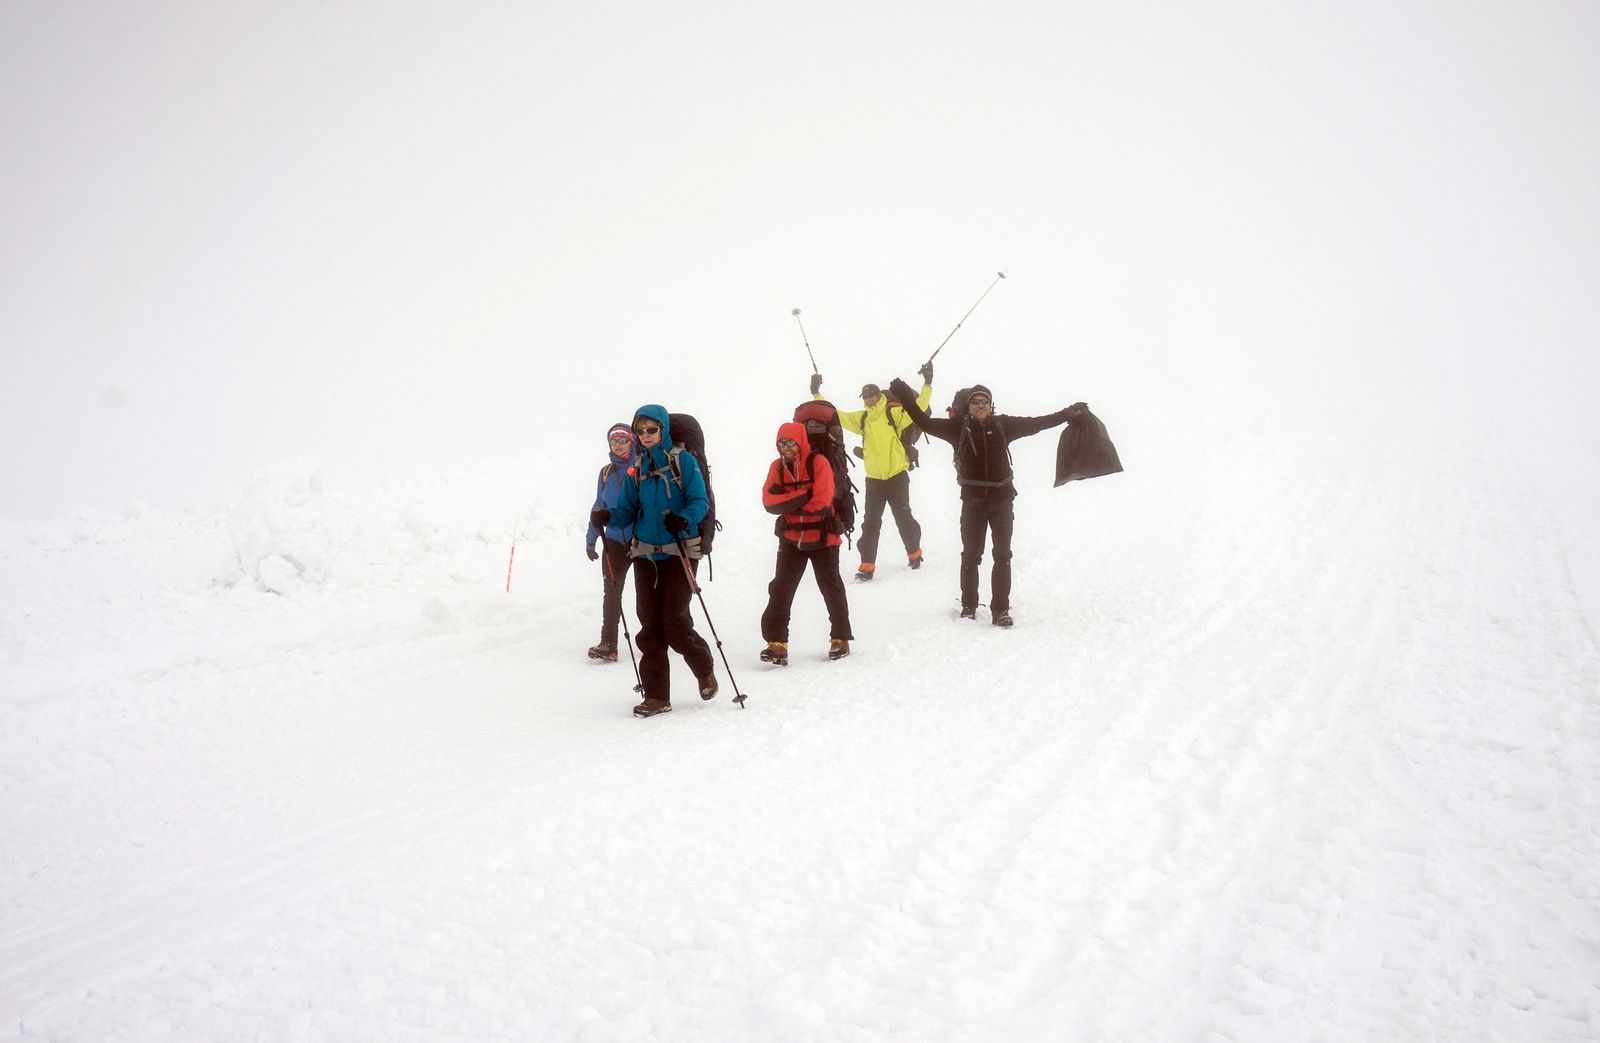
[983, 455]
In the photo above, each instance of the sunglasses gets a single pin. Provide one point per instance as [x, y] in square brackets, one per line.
[788, 443]
[621, 440]
[647, 430]
[979, 401]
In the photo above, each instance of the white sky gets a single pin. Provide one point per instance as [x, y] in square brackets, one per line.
[392, 232]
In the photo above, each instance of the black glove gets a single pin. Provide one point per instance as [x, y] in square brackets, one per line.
[600, 518]
[675, 524]
[594, 555]
[926, 372]
[816, 382]
[901, 391]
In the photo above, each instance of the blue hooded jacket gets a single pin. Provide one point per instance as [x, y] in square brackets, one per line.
[607, 488]
[645, 501]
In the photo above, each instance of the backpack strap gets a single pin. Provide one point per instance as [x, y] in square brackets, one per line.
[810, 482]
[677, 468]
[966, 436]
[672, 468]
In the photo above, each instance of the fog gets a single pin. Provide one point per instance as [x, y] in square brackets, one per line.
[393, 234]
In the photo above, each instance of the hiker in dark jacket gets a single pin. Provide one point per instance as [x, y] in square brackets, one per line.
[664, 503]
[982, 442]
[611, 538]
[800, 488]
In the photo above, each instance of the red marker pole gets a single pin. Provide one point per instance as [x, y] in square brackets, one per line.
[515, 528]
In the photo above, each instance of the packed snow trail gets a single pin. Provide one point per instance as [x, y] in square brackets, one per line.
[1280, 758]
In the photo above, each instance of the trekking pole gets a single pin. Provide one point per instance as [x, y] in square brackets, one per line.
[796, 313]
[622, 614]
[683, 556]
[952, 333]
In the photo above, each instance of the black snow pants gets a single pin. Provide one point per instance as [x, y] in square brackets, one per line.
[662, 592]
[896, 492]
[993, 515]
[786, 580]
[614, 579]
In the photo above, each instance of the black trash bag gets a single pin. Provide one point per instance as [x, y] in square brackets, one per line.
[1085, 450]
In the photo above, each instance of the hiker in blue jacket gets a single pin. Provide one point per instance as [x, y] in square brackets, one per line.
[612, 539]
[664, 503]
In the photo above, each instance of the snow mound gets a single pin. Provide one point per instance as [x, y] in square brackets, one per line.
[280, 530]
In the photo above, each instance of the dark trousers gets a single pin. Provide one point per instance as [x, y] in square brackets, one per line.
[995, 516]
[786, 580]
[662, 592]
[613, 578]
[896, 492]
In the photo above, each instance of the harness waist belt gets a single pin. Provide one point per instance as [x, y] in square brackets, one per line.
[639, 548]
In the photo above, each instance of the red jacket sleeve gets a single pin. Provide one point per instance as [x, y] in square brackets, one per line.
[821, 485]
[778, 498]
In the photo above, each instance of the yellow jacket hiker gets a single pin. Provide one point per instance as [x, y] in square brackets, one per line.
[888, 469]
[879, 426]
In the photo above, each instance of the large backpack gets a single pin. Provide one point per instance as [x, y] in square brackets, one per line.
[958, 411]
[687, 436]
[826, 436]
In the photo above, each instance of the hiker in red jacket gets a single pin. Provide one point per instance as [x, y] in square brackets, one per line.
[799, 487]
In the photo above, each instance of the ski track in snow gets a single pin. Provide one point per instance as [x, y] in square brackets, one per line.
[1301, 760]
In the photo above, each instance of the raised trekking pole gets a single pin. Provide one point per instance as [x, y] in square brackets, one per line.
[952, 333]
[796, 313]
[622, 614]
[683, 556]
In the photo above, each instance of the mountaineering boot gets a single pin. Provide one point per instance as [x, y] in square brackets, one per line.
[1001, 619]
[651, 707]
[708, 686]
[604, 652]
[969, 613]
[838, 648]
[776, 652]
[866, 570]
[914, 560]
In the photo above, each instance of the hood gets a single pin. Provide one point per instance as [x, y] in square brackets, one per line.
[621, 428]
[797, 431]
[659, 415]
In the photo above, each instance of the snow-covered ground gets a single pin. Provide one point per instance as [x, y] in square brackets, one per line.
[310, 312]
[1297, 737]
